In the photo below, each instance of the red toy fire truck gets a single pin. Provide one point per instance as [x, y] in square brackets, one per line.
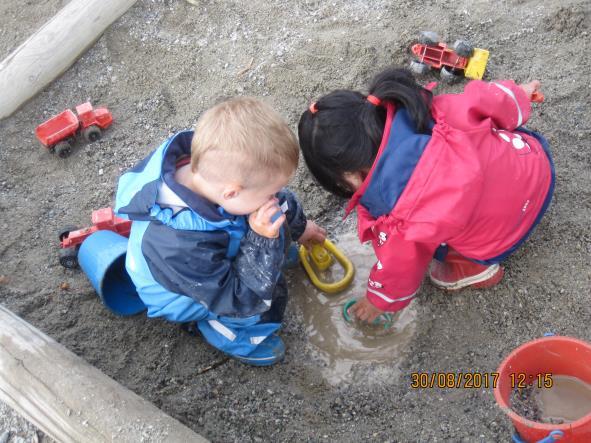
[71, 237]
[59, 132]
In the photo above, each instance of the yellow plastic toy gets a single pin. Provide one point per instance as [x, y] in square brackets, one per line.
[476, 64]
[322, 256]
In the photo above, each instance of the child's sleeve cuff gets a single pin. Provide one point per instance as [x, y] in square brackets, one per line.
[262, 242]
[388, 304]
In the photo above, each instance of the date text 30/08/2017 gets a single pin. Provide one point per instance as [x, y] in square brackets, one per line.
[476, 380]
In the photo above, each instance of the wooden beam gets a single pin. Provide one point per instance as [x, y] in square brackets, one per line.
[71, 400]
[54, 48]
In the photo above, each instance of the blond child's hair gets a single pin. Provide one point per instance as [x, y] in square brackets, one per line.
[248, 141]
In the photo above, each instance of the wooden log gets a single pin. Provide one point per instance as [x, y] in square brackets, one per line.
[71, 400]
[54, 48]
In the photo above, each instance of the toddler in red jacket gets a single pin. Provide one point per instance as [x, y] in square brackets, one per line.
[451, 184]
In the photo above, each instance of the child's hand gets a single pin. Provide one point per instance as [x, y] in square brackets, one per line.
[365, 311]
[260, 220]
[532, 90]
[312, 234]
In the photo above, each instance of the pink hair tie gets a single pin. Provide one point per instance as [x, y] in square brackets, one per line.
[374, 100]
[313, 108]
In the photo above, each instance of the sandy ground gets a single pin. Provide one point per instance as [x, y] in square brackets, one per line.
[165, 62]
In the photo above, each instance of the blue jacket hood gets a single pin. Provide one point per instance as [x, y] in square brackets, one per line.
[138, 187]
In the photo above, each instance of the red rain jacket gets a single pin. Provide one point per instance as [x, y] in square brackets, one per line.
[476, 184]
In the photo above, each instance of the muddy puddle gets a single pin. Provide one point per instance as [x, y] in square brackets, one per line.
[567, 400]
[344, 346]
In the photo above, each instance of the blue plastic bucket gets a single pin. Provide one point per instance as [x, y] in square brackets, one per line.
[102, 258]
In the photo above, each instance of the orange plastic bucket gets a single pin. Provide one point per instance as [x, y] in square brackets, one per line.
[556, 355]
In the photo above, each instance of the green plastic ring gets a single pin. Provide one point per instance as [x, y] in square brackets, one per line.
[387, 317]
[346, 307]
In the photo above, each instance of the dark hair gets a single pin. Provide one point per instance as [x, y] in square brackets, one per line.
[345, 131]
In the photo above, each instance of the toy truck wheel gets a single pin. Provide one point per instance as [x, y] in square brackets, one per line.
[63, 149]
[463, 48]
[69, 258]
[419, 68]
[92, 133]
[448, 76]
[428, 38]
[63, 232]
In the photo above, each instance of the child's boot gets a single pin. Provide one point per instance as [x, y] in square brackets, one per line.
[267, 353]
[255, 344]
[457, 272]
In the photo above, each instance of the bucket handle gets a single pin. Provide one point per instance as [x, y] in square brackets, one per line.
[550, 438]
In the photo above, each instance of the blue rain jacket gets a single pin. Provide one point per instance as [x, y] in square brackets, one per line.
[189, 259]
